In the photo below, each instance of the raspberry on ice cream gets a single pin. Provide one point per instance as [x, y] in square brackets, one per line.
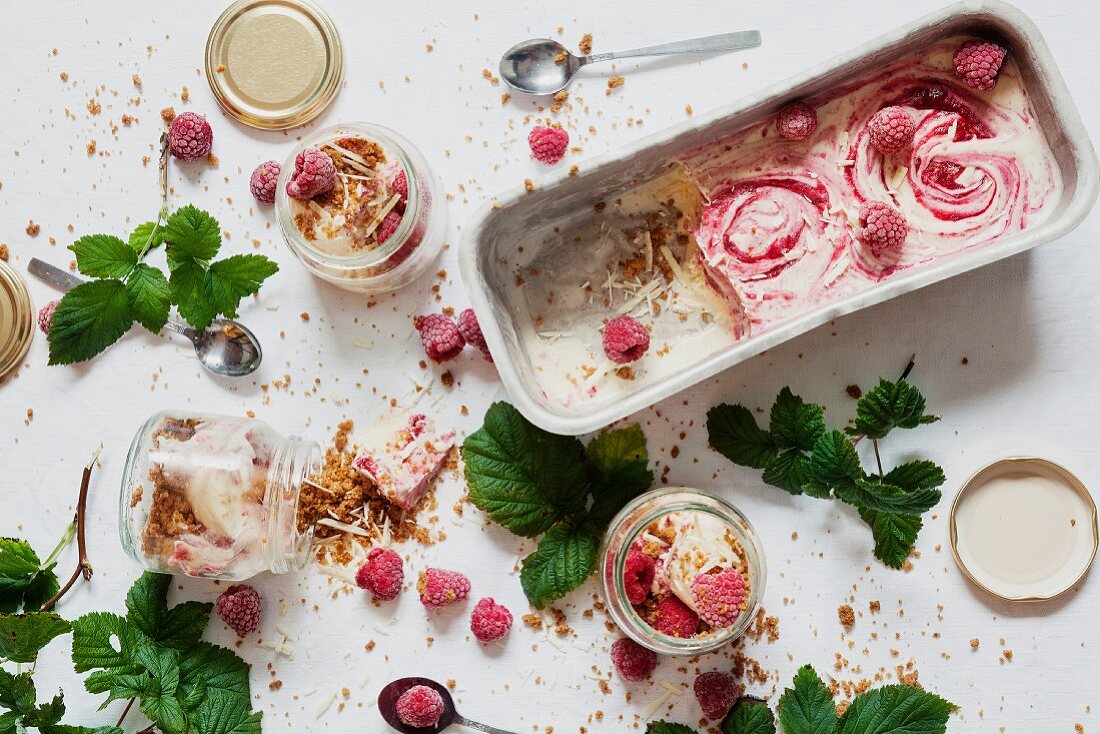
[400, 187]
[470, 329]
[718, 597]
[264, 180]
[190, 137]
[314, 174]
[388, 226]
[440, 336]
[239, 607]
[891, 130]
[882, 228]
[634, 662]
[439, 587]
[45, 316]
[382, 574]
[978, 63]
[675, 618]
[716, 692]
[404, 459]
[490, 621]
[548, 144]
[796, 121]
[638, 572]
[625, 340]
[420, 707]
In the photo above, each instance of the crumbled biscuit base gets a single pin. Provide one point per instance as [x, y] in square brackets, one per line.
[847, 616]
[585, 44]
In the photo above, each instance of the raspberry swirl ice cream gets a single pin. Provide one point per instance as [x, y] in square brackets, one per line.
[778, 235]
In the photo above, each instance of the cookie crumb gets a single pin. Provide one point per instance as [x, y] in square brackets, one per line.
[847, 616]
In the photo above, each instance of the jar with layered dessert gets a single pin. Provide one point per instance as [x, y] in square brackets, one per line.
[682, 571]
[215, 497]
[359, 207]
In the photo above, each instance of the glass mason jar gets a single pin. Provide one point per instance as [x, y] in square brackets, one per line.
[634, 521]
[215, 496]
[345, 260]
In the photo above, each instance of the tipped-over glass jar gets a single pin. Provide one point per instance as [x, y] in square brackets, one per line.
[215, 496]
[380, 226]
[682, 571]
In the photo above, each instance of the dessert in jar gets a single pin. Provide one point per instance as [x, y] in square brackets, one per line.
[215, 496]
[360, 208]
[682, 571]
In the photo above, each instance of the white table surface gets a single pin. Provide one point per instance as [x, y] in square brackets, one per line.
[1027, 327]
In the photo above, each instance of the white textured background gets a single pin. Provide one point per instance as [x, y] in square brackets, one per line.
[1027, 326]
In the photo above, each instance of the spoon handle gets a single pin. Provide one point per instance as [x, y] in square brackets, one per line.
[707, 44]
[463, 721]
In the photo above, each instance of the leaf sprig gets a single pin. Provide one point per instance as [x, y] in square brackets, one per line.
[801, 455]
[94, 315]
[808, 708]
[537, 483]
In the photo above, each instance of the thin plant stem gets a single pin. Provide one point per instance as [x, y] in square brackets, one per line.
[878, 459]
[83, 565]
[129, 705]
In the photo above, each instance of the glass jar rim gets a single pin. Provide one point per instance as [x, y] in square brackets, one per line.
[632, 623]
[393, 143]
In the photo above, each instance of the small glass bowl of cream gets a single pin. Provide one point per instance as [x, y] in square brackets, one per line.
[684, 534]
[381, 226]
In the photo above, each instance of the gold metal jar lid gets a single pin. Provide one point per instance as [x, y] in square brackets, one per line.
[16, 319]
[274, 64]
[1024, 529]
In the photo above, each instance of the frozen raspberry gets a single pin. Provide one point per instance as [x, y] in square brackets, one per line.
[440, 336]
[978, 62]
[892, 129]
[314, 174]
[548, 144]
[638, 572]
[382, 574]
[634, 662]
[388, 226]
[471, 332]
[796, 121]
[882, 227]
[263, 181]
[420, 707]
[716, 692]
[45, 316]
[718, 596]
[490, 621]
[400, 186]
[190, 137]
[625, 339]
[438, 587]
[675, 618]
[239, 607]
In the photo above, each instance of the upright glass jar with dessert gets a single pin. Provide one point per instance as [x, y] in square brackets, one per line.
[360, 208]
[215, 497]
[682, 571]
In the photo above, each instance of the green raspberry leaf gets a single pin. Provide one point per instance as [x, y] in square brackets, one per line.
[734, 433]
[147, 289]
[894, 535]
[834, 462]
[147, 603]
[789, 471]
[619, 471]
[46, 715]
[217, 668]
[98, 641]
[808, 708]
[184, 624]
[564, 559]
[228, 281]
[146, 233]
[68, 729]
[17, 693]
[749, 716]
[187, 285]
[795, 423]
[103, 256]
[668, 727]
[24, 582]
[916, 475]
[223, 714]
[23, 635]
[522, 476]
[896, 709]
[89, 318]
[874, 494]
[191, 234]
[890, 405]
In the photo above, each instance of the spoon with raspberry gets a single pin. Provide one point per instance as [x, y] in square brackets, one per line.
[422, 706]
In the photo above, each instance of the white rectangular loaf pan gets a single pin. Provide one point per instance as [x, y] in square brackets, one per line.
[496, 228]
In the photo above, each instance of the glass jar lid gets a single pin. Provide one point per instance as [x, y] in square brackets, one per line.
[16, 319]
[274, 64]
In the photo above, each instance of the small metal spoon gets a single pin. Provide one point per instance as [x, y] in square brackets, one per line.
[226, 347]
[387, 706]
[544, 66]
